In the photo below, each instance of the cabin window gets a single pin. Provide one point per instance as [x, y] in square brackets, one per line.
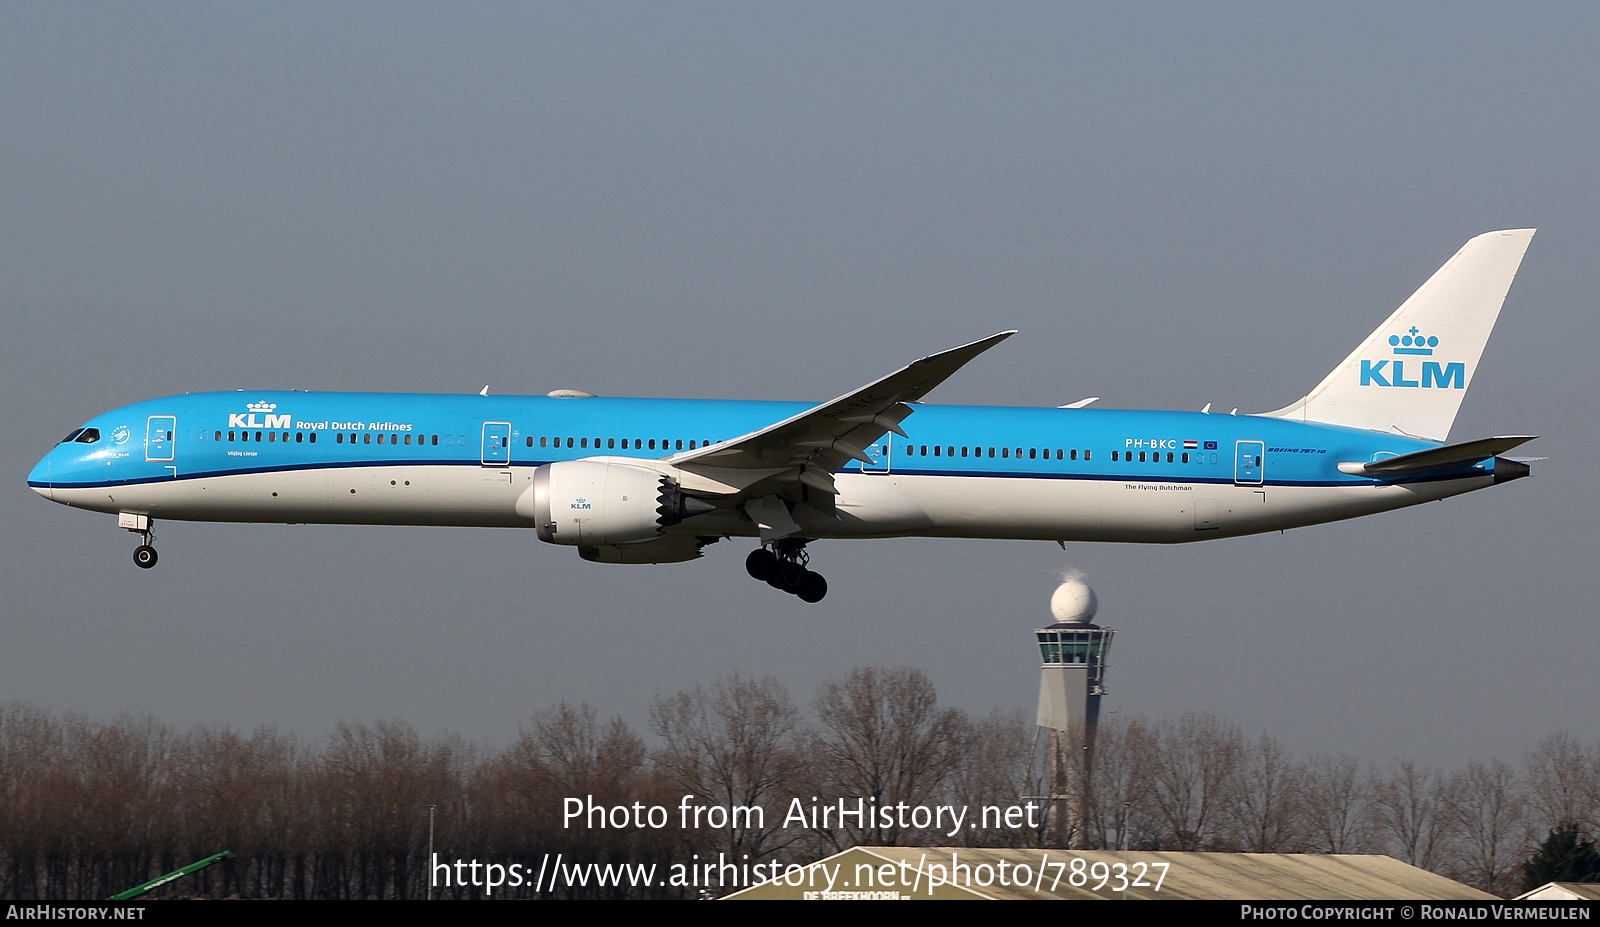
[1033, 453]
[1113, 455]
[936, 450]
[963, 451]
[272, 436]
[1005, 452]
[1074, 454]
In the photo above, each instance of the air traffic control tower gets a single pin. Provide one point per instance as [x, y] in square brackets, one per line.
[1071, 681]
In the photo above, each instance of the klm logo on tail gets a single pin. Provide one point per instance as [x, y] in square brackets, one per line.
[1434, 375]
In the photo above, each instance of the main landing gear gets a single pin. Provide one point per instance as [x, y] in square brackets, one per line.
[784, 567]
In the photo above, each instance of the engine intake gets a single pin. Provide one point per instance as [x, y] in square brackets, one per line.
[595, 503]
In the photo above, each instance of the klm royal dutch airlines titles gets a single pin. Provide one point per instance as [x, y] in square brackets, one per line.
[657, 480]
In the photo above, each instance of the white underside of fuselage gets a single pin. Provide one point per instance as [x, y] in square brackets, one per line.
[868, 505]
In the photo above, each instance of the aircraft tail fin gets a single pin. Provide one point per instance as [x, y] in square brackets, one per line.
[1410, 375]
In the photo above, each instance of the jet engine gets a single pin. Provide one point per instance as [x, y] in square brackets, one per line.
[595, 503]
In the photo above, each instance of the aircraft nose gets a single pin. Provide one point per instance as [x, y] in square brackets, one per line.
[39, 478]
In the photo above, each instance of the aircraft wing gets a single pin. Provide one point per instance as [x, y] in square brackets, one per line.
[822, 440]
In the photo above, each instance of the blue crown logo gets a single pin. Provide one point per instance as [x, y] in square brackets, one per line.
[1414, 343]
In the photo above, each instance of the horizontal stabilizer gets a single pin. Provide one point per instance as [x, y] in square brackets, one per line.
[1438, 459]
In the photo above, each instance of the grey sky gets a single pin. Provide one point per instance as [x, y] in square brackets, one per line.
[1175, 203]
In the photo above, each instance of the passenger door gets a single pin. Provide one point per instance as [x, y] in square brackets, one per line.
[1249, 463]
[496, 444]
[160, 435]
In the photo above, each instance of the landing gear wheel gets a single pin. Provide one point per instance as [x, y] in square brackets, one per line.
[145, 556]
[761, 564]
[783, 566]
[790, 577]
[812, 588]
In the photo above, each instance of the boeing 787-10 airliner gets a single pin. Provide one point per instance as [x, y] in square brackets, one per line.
[657, 480]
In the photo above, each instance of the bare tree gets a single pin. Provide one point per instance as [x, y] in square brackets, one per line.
[882, 739]
[1195, 763]
[1264, 811]
[1563, 779]
[733, 747]
[1485, 805]
[1407, 809]
[991, 768]
[1336, 802]
[1121, 808]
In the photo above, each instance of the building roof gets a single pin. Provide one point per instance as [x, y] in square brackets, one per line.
[959, 872]
[1563, 891]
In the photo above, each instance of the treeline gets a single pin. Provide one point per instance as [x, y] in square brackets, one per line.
[90, 807]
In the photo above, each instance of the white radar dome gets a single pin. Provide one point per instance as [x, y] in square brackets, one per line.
[1074, 602]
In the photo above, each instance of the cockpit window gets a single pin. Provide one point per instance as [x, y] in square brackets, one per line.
[75, 433]
[88, 436]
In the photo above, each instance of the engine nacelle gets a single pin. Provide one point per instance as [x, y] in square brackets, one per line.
[596, 503]
[672, 548]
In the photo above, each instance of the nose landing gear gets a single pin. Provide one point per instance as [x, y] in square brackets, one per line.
[144, 556]
[784, 567]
